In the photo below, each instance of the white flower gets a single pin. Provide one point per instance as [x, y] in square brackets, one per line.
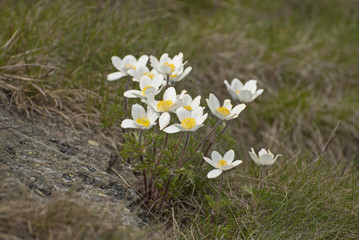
[168, 66]
[189, 104]
[125, 64]
[190, 120]
[244, 93]
[141, 119]
[171, 102]
[221, 163]
[225, 112]
[266, 158]
[176, 77]
[147, 86]
[141, 71]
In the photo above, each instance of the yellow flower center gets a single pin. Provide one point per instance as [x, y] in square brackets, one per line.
[130, 66]
[145, 88]
[164, 105]
[224, 111]
[222, 163]
[173, 75]
[188, 123]
[238, 91]
[171, 66]
[149, 74]
[143, 121]
[189, 108]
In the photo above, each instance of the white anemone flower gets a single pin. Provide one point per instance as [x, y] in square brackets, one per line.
[141, 71]
[125, 64]
[170, 103]
[265, 158]
[225, 112]
[176, 77]
[141, 119]
[189, 104]
[244, 93]
[190, 121]
[147, 86]
[221, 163]
[168, 66]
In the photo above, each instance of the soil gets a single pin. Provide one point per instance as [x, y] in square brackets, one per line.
[48, 157]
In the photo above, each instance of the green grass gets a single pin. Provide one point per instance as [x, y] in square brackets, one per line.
[304, 54]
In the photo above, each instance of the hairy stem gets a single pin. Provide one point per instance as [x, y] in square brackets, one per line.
[209, 134]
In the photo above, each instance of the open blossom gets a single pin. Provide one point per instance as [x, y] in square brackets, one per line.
[189, 104]
[147, 86]
[265, 158]
[190, 120]
[168, 66]
[224, 112]
[125, 64]
[138, 72]
[178, 76]
[141, 119]
[170, 103]
[244, 93]
[221, 163]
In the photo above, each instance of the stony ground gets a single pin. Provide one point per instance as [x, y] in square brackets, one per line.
[46, 158]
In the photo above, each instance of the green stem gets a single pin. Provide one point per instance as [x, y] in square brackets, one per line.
[209, 134]
[184, 150]
[178, 142]
[263, 175]
[167, 81]
[171, 177]
[125, 100]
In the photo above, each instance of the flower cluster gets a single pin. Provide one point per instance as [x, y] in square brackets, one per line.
[164, 73]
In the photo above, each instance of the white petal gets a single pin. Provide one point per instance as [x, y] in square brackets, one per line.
[245, 95]
[129, 59]
[197, 113]
[254, 157]
[237, 162]
[115, 76]
[209, 161]
[212, 102]
[164, 120]
[216, 157]
[154, 62]
[227, 84]
[214, 173]
[164, 58]
[251, 85]
[183, 113]
[137, 111]
[266, 160]
[145, 81]
[229, 156]
[238, 109]
[196, 101]
[195, 128]
[142, 61]
[171, 129]
[170, 93]
[256, 94]
[236, 84]
[133, 94]
[203, 118]
[227, 104]
[116, 62]
[262, 152]
[128, 123]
